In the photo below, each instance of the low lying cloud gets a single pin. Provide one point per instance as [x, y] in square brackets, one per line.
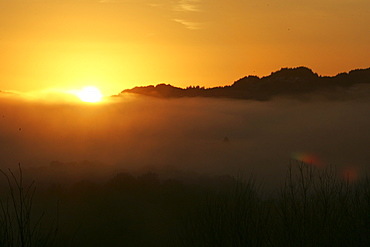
[210, 136]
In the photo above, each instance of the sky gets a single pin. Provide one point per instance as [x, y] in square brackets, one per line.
[119, 44]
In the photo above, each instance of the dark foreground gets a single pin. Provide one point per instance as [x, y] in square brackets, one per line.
[313, 207]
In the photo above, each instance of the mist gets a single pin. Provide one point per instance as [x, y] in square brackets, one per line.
[208, 136]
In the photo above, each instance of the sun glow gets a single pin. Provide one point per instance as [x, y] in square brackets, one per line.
[90, 94]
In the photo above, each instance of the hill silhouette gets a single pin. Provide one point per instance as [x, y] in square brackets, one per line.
[287, 81]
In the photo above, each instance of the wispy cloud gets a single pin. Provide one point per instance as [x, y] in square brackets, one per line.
[183, 9]
[188, 5]
[119, 1]
[189, 24]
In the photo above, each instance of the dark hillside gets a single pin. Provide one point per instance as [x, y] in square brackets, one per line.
[287, 81]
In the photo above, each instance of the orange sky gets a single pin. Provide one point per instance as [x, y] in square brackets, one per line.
[119, 44]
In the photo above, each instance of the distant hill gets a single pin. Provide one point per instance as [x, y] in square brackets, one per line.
[287, 81]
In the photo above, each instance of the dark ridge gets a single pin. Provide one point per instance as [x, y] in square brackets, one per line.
[285, 82]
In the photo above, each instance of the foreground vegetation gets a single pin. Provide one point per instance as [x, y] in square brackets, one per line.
[313, 207]
[19, 225]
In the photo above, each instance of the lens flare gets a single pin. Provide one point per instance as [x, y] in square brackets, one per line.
[308, 158]
[350, 174]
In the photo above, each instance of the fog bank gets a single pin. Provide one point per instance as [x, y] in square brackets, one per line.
[212, 136]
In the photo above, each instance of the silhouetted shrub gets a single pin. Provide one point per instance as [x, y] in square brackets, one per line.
[235, 216]
[313, 207]
[318, 208]
[18, 226]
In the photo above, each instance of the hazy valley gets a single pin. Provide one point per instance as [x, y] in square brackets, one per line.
[132, 169]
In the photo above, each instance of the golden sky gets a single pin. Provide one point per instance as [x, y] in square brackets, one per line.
[119, 44]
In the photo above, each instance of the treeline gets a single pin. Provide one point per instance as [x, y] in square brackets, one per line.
[313, 207]
[285, 82]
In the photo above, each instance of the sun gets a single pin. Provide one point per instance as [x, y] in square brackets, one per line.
[90, 94]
